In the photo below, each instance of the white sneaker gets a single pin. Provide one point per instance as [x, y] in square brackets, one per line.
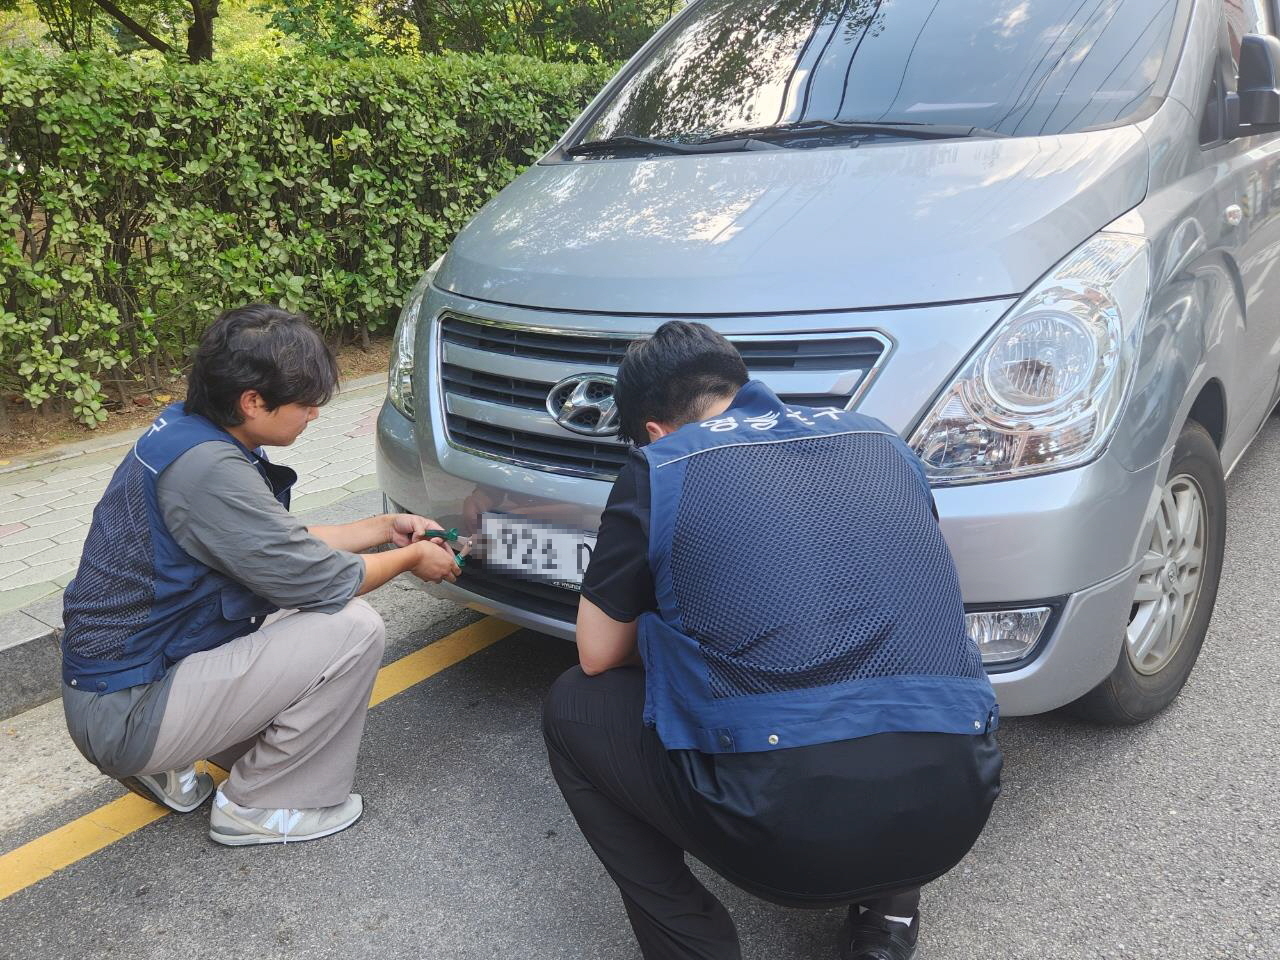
[179, 790]
[236, 826]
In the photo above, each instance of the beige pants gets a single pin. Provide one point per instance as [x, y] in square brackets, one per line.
[283, 708]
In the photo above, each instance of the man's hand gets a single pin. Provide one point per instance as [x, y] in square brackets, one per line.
[425, 559]
[398, 529]
[435, 563]
[403, 528]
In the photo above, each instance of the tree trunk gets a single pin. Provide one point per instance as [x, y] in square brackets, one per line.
[200, 33]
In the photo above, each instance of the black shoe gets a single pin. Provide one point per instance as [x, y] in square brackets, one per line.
[870, 936]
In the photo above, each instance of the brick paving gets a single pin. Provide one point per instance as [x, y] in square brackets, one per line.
[45, 509]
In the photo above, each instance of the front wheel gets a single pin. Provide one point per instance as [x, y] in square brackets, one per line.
[1177, 586]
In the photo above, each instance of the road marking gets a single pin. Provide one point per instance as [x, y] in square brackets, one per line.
[431, 659]
[45, 855]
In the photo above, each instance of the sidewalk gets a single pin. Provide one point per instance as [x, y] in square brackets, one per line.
[45, 509]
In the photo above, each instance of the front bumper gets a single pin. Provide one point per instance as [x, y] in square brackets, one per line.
[1072, 536]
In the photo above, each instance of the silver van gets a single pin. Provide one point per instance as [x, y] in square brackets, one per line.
[1039, 238]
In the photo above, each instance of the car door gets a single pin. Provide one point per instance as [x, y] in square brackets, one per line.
[1246, 189]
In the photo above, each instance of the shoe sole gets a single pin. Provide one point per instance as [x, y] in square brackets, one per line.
[254, 839]
[845, 948]
[142, 790]
[847, 951]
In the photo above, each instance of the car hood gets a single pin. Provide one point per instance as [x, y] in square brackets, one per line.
[792, 230]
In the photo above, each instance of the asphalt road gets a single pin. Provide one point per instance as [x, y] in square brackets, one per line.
[1159, 841]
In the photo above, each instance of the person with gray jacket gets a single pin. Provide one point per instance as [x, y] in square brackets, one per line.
[207, 622]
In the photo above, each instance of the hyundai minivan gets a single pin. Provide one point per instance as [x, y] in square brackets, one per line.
[1039, 238]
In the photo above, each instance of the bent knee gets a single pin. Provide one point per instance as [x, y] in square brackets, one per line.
[577, 697]
[365, 625]
[567, 685]
[564, 691]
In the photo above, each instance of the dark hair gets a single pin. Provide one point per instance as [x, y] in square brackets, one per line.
[673, 376]
[259, 347]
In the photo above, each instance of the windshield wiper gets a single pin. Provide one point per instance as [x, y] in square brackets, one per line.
[725, 144]
[893, 128]
[757, 138]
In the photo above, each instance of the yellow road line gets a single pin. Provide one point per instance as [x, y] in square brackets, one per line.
[43, 856]
[433, 658]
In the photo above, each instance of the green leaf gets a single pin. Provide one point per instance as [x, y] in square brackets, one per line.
[170, 192]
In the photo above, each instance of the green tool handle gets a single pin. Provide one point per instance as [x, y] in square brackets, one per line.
[447, 535]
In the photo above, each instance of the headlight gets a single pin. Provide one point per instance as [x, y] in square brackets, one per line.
[1044, 390]
[400, 380]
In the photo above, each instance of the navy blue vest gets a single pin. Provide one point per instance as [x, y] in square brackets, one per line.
[140, 603]
[805, 592]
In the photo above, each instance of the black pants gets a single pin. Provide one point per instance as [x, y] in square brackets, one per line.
[779, 825]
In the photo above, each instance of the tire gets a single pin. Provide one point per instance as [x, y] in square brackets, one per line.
[1156, 657]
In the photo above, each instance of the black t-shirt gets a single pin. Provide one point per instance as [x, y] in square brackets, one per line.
[618, 580]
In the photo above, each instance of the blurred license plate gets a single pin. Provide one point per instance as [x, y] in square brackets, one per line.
[535, 549]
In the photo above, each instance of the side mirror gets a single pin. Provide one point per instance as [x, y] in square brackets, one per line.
[1259, 84]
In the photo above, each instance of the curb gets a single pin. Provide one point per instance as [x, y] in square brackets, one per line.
[30, 663]
[30, 655]
[125, 438]
[70, 451]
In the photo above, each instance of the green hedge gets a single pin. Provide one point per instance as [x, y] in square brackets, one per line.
[137, 201]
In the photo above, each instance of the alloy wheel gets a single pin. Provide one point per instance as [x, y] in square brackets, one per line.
[1170, 578]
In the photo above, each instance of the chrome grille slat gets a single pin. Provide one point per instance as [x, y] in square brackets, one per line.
[824, 354]
[583, 456]
[567, 348]
[495, 379]
[528, 374]
[513, 418]
[509, 365]
[760, 354]
[528, 394]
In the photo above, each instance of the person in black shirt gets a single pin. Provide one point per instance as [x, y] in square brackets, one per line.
[860, 820]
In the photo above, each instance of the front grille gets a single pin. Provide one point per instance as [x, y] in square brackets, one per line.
[827, 353]
[496, 378]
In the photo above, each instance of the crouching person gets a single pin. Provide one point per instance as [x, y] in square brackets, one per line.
[205, 621]
[775, 676]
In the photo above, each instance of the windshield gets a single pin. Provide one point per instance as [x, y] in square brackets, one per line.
[1013, 67]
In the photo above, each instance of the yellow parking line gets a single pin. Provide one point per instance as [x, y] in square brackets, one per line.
[32, 862]
[431, 659]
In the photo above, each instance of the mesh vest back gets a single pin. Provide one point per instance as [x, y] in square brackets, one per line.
[861, 587]
[805, 592]
[114, 587]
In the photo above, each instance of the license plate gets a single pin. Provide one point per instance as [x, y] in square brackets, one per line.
[536, 550]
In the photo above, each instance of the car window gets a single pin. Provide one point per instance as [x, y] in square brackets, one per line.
[1211, 123]
[1016, 67]
[1242, 17]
